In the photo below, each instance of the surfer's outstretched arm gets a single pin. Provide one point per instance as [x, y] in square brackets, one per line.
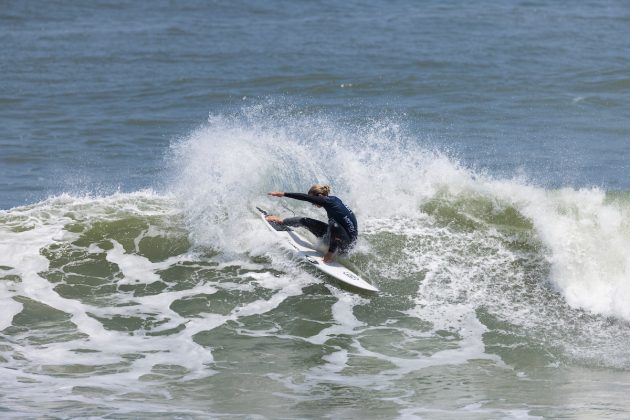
[319, 200]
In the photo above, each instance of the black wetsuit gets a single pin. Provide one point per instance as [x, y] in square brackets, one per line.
[342, 228]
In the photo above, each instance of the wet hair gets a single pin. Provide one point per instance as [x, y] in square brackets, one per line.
[319, 189]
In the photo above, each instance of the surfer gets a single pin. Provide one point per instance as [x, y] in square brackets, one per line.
[341, 229]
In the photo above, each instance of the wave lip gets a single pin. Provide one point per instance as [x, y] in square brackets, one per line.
[588, 234]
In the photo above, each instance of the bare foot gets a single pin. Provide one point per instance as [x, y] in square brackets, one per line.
[329, 257]
[274, 219]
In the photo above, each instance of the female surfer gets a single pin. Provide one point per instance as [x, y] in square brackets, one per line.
[341, 229]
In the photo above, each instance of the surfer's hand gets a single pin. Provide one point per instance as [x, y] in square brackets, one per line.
[274, 219]
[329, 257]
[276, 193]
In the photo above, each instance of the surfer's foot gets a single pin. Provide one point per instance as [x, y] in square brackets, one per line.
[329, 257]
[274, 219]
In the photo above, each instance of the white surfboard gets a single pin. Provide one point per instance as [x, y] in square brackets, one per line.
[305, 250]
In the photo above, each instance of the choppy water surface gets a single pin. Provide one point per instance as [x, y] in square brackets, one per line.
[483, 148]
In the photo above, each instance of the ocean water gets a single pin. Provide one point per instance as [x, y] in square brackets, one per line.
[484, 147]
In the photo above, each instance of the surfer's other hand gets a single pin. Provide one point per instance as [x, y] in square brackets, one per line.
[276, 193]
[274, 219]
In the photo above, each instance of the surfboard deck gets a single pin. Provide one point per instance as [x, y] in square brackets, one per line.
[306, 251]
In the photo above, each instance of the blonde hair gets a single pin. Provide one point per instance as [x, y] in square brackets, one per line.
[319, 189]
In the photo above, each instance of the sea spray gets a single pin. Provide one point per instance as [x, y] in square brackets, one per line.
[228, 164]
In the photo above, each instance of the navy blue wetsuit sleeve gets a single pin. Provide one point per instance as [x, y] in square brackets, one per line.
[319, 199]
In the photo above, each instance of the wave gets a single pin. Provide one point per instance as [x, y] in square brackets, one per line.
[579, 238]
[446, 244]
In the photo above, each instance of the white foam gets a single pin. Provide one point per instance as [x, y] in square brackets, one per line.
[345, 321]
[21, 250]
[8, 306]
[136, 268]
